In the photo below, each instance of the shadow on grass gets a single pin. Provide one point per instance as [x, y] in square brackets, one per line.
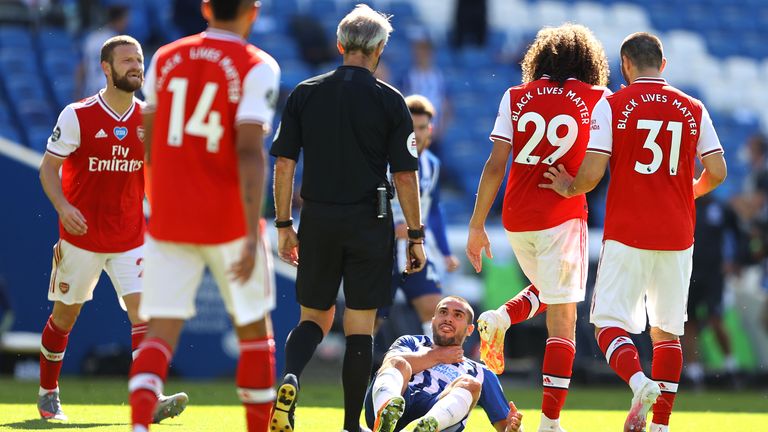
[38, 424]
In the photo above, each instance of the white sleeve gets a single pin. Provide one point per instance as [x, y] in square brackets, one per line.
[149, 90]
[601, 129]
[261, 88]
[502, 129]
[65, 138]
[709, 143]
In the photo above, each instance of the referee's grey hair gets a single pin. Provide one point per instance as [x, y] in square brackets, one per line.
[363, 29]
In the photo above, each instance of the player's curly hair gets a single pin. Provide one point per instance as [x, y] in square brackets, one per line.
[568, 51]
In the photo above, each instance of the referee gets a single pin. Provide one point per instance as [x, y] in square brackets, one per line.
[350, 126]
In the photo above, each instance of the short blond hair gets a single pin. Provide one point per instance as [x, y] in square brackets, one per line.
[418, 104]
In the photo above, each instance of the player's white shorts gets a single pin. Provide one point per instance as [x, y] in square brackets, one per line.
[631, 280]
[554, 260]
[76, 271]
[174, 271]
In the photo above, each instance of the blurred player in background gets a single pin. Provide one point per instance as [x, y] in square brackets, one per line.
[98, 145]
[210, 101]
[543, 122]
[427, 382]
[716, 222]
[423, 289]
[651, 133]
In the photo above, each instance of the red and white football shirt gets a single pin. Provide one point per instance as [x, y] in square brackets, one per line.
[653, 133]
[103, 173]
[200, 87]
[547, 125]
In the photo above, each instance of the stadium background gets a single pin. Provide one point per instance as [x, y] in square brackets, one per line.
[717, 50]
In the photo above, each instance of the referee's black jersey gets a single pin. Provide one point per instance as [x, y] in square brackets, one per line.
[350, 126]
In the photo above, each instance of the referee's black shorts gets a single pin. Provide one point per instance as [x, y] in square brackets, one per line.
[349, 242]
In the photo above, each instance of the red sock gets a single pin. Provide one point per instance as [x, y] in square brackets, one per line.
[255, 381]
[138, 331]
[556, 375]
[620, 352]
[525, 305]
[666, 368]
[52, 349]
[148, 374]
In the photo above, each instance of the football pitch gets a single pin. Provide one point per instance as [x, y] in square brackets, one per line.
[99, 405]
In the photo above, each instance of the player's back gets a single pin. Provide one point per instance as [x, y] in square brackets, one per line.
[550, 125]
[655, 134]
[199, 82]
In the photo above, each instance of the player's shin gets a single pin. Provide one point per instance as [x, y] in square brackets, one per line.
[138, 332]
[524, 306]
[451, 408]
[52, 348]
[556, 375]
[147, 377]
[621, 354]
[666, 369]
[255, 381]
[358, 360]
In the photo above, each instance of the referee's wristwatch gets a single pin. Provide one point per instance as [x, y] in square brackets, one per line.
[416, 234]
[284, 223]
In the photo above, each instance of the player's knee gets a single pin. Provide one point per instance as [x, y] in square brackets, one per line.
[659, 335]
[65, 316]
[471, 384]
[398, 363]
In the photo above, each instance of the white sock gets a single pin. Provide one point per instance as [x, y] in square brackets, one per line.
[43, 392]
[452, 408]
[426, 328]
[139, 428]
[504, 316]
[548, 423]
[388, 384]
[658, 428]
[637, 381]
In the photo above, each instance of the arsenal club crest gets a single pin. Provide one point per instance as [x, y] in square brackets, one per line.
[140, 132]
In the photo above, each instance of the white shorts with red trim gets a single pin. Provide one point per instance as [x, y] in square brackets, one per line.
[632, 281]
[76, 271]
[174, 271]
[554, 260]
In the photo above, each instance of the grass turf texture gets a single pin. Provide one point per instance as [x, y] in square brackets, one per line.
[99, 405]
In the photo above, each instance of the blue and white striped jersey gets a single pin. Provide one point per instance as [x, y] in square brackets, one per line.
[434, 380]
[429, 174]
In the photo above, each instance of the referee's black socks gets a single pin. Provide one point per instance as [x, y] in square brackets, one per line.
[358, 360]
[300, 346]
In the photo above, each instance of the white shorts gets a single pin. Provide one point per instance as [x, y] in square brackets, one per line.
[554, 260]
[174, 271]
[76, 271]
[631, 281]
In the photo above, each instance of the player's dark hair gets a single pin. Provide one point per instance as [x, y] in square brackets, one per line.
[228, 10]
[643, 49]
[467, 306]
[568, 51]
[418, 104]
[109, 46]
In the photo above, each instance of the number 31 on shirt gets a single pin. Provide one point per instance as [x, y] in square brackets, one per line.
[211, 130]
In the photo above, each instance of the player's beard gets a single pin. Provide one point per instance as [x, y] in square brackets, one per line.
[124, 83]
[440, 340]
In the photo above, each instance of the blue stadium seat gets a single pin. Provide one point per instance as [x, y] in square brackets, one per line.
[25, 87]
[35, 113]
[37, 137]
[292, 73]
[56, 39]
[13, 63]
[18, 37]
[10, 132]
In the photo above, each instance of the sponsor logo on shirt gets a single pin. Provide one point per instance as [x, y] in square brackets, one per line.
[100, 134]
[120, 132]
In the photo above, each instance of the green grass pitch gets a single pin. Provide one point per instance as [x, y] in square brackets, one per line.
[99, 405]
